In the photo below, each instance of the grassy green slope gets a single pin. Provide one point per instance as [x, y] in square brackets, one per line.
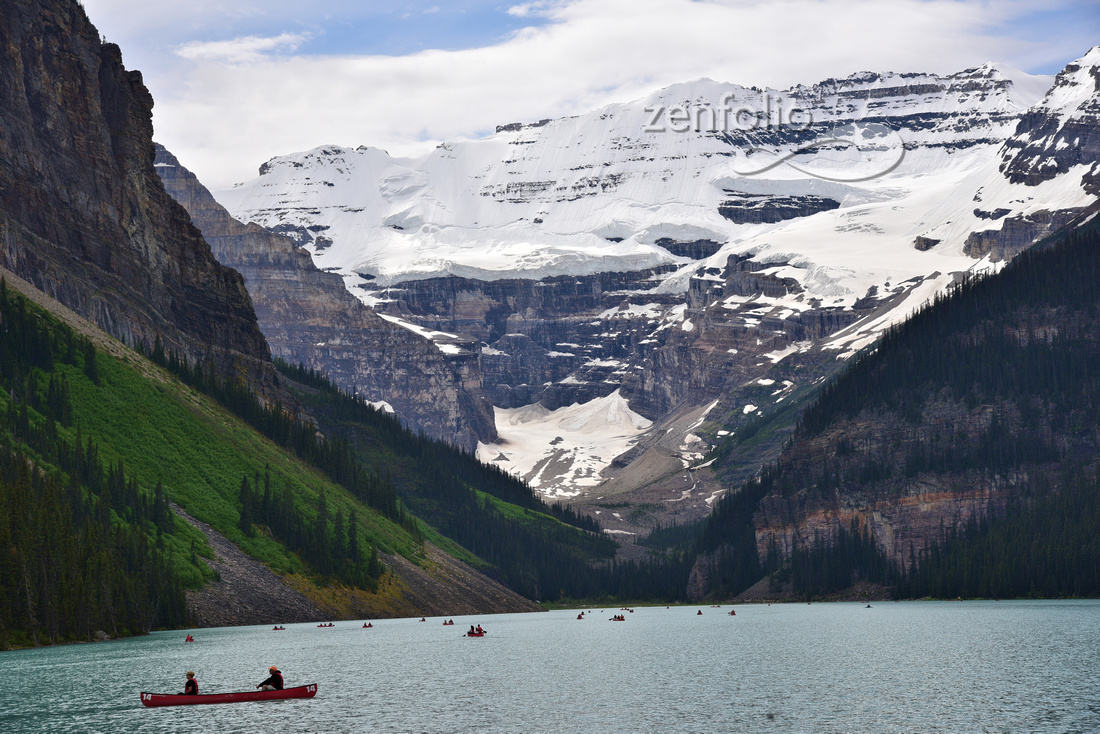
[164, 431]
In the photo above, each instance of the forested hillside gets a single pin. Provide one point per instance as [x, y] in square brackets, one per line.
[958, 458]
[94, 445]
[97, 442]
[86, 549]
[543, 551]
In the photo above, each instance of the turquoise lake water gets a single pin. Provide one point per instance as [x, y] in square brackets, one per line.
[896, 667]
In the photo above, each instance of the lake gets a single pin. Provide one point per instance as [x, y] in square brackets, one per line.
[841, 667]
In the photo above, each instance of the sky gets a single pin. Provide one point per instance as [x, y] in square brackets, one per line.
[237, 82]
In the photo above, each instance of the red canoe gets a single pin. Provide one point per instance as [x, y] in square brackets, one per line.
[178, 699]
[475, 634]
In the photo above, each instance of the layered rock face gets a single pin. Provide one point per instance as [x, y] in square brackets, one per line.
[83, 215]
[552, 341]
[906, 514]
[309, 317]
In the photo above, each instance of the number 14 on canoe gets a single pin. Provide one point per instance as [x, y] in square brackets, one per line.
[177, 699]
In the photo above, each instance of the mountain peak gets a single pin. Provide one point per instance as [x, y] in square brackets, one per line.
[1062, 132]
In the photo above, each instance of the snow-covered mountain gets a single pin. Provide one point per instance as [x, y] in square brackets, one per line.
[603, 192]
[703, 253]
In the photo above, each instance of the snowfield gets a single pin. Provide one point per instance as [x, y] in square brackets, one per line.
[562, 452]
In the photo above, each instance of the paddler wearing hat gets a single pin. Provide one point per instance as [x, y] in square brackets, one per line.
[274, 681]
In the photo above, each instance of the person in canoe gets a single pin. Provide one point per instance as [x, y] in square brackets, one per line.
[274, 682]
[472, 630]
[191, 687]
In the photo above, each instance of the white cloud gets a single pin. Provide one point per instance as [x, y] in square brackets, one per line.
[234, 104]
[527, 10]
[241, 50]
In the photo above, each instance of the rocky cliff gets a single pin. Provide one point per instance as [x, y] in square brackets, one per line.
[557, 341]
[83, 215]
[309, 317]
[1062, 132]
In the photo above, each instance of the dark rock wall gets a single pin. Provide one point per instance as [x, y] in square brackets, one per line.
[538, 332]
[906, 514]
[308, 316]
[83, 215]
[743, 208]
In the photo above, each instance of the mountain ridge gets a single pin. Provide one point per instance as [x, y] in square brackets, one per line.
[711, 273]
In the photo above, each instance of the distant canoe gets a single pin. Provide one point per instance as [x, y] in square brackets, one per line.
[178, 699]
[475, 634]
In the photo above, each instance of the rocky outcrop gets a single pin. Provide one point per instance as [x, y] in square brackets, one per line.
[246, 591]
[742, 208]
[446, 586]
[309, 317]
[860, 472]
[1016, 234]
[83, 215]
[1055, 136]
[904, 527]
[694, 249]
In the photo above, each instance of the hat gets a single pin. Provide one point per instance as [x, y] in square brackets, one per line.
[273, 668]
